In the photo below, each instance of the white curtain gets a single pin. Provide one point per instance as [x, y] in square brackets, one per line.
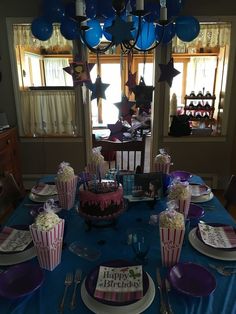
[48, 112]
[54, 73]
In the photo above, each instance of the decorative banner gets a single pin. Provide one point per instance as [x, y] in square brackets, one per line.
[131, 83]
[120, 31]
[125, 108]
[80, 72]
[168, 72]
[143, 93]
[98, 88]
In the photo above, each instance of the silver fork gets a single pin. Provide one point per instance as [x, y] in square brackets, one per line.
[68, 282]
[77, 281]
[222, 270]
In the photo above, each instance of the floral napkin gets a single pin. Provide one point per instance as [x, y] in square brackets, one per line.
[119, 284]
[13, 240]
[218, 237]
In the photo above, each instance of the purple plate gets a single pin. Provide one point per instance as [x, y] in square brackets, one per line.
[183, 175]
[192, 279]
[195, 212]
[91, 281]
[20, 280]
[198, 233]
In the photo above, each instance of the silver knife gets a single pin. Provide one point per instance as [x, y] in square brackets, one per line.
[163, 309]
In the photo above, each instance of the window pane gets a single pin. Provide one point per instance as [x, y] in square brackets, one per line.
[146, 73]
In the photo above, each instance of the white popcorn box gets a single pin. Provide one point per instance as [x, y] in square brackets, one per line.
[164, 168]
[171, 241]
[183, 206]
[48, 245]
[66, 192]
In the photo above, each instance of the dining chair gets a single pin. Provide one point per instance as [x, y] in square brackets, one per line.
[126, 156]
[10, 194]
[230, 192]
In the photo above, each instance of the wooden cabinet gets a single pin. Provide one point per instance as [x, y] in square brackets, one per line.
[9, 155]
[200, 110]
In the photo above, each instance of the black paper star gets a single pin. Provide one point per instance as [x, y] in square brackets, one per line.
[125, 110]
[168, 72]
[131, 83]
[120, 31]
[143, 93]
[117, 130]
[98, 88]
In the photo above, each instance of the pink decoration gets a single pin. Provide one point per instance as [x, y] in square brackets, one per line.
[48, 245]
[171, 245]
[161, 167]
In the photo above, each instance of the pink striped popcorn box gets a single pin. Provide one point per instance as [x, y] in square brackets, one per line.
[161, 167]
[171, 241]
[48, 245]
[183, 206]
[66, 192]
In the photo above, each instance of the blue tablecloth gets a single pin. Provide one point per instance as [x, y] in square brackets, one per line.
[112, 243]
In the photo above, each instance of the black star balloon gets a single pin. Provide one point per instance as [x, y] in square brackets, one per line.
[168, 72]
[125, 109]
[98, 88]
[131, 83]
[120, 31]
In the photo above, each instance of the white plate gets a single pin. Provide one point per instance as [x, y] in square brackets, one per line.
[199, 189]
[202, 198]
[43, 189]
[210, 251]
[134, 308]
[41, 199]
[15, 258]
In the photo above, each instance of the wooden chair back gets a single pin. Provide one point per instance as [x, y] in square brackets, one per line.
[230, 192]
[129, 155]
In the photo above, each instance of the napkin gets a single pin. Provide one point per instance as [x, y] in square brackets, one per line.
[218, 237]
[119, 284]
[13, 240]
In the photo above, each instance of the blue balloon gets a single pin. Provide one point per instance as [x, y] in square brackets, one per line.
[70, 9]
[173, 8]
[41, 28]
[94, 34]
[69, 29]
[187, 28]
[146, 37]
[165, 33]
[54, 11]
[91, 8]
[107, 23]
[153, 11]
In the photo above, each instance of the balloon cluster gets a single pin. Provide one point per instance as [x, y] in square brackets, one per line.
[54, 11]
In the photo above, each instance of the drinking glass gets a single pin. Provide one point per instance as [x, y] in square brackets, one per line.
[141, 240]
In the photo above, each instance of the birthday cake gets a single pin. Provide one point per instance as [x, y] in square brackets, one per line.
[101, 199]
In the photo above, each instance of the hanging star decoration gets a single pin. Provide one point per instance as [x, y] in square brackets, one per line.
[120, 31]
[80, 71]
[98, 89]
[125, 109]
[143, 93]
[168, 72]
[131, 83]
[117, 130]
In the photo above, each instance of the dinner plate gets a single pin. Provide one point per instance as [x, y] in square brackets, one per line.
[210, 251]
[12, 258]
[200, 189]
[15, 282]
[202, 198]
[183, 175]
[44, 189]
[91, 281]
[192, 279]
[134, 308]
[41, 199]
[214, 225]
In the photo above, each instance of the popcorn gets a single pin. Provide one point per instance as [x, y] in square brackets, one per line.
[45, 221]
[171, 219]
[179, 190]
[163, 157]
[97, 157]
[65, 172]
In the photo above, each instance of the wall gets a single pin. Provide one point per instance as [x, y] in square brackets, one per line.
[43, 158]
